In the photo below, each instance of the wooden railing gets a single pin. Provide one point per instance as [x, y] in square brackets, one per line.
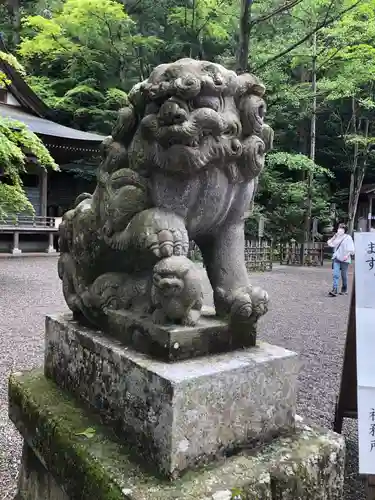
[22, 225]
[26, 221]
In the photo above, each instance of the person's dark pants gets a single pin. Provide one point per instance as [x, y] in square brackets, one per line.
[340, 269]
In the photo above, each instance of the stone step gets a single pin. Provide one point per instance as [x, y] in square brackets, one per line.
[70, 455]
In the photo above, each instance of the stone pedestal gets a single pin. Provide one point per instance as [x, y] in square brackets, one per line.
[177, 415]
[171, 342]
[106, 422]
[70, 455]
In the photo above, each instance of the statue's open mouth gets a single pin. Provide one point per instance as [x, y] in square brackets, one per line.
[193, 132]
[193, 144]
[192, 154]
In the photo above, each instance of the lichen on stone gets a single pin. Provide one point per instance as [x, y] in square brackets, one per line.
[308, 464]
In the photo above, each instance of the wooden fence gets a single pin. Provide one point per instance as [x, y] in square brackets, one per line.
[299, 254]
[258, 254]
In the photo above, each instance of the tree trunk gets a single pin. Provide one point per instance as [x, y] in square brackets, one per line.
[201, 53]
[303, 132]
[14, 9]
[353, 170]
[193, 15]
[141, 57]
[356, 178]
[244, 37]
[310, 177]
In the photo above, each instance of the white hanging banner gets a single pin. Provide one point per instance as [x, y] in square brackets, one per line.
[365, 329]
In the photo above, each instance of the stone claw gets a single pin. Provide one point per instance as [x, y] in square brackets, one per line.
[260, 301]
[159, 317]
[192, 318]
[166, 235]
[249, 305]
[245, 306]
[242, 306]
[156, 230]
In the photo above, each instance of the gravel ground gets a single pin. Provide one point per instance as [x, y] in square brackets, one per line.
[302, 318]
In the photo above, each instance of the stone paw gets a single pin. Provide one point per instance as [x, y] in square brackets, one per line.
[250, 305]
[159, 317]
[192, 318]
[244, 305]
[167, 242]
[163, 233]
[245, 310]
[260, 301]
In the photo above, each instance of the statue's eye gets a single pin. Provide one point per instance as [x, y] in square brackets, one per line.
[207, 102]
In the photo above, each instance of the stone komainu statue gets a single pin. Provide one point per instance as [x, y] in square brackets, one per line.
[182, 164]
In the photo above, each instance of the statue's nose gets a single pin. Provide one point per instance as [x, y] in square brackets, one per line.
[171, 113]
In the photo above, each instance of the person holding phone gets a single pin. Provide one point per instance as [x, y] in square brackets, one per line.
[343, 249]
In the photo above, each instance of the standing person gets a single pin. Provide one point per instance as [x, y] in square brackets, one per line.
[343, 249]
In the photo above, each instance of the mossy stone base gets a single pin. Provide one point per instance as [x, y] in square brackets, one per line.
[176, 415]
[34, 481]
[68, 446]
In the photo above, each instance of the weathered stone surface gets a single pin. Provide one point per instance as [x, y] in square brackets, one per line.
[177, 414]
[182, 164]
[211, 335]
[307, 465]
[34, 481]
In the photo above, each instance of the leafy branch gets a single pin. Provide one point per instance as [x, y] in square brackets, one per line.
[275, 12]
[318, 27]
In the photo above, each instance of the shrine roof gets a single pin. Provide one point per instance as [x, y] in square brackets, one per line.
[33, 112]
[42, 126]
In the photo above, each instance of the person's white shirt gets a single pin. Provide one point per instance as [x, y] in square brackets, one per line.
[343, 246]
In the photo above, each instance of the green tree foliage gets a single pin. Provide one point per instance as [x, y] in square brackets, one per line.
[83, 56]
[17, 145]
[203, 27]
[347, 88]
[282, 194]
[344, 61]
[88, 50]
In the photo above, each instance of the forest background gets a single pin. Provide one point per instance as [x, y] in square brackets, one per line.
[316, 58]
